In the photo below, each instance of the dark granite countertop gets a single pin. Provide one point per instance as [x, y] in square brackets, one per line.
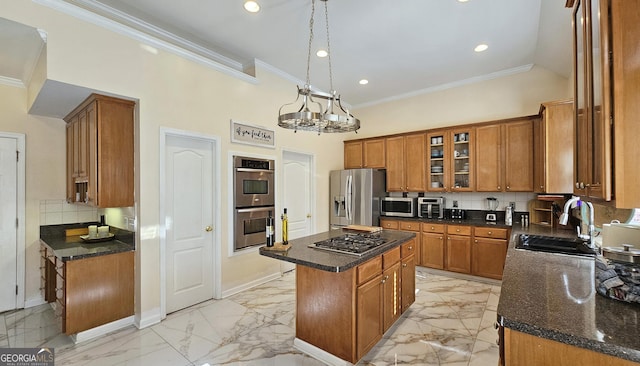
[300, 253]
[73, 247]
[553, 296]
[469, 221]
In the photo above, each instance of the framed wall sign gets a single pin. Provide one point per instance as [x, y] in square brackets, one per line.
[245, 133]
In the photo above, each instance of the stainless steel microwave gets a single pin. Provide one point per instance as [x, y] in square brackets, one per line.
[399, 206]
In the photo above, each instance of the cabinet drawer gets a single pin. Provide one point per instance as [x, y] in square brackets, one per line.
[432, 228]
[369, 269]
[409, 226]
[408, 248]
[390, 258]
[491, 232]
[389, 224]
[459, 230]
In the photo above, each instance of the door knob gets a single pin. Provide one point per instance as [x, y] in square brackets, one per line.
[308, 216]
[208, 228]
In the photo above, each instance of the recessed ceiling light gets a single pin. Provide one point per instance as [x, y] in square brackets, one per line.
[322, 53]
[462, 1]
[481, 47]
[251, 6]
[363, 82]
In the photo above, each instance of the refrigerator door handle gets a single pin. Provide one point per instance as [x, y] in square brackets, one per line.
[349, 197]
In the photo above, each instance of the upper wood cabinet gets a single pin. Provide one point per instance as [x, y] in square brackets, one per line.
[504, 156]
[450, 161]
[370, 153]
[100, 171]
[353, 154]
[553, 138]
[607, 74]
[405, 163]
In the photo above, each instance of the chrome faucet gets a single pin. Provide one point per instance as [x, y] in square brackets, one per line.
[564, 219]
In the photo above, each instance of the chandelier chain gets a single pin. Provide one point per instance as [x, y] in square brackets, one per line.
[313, 10]
[326, 15]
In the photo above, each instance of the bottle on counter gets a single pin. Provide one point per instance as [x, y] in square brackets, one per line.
[285, 228]
[269, 230]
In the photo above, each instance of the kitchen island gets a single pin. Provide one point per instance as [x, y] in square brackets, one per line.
[346, 302]
[550, 313]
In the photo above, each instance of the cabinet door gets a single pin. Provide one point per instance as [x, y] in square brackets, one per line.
[415, 147]
[76, 147]
[71, 186]
[415, 245]
[352, 154]
[489, 158]
[389, 224]
[540, 154]
[461, 160]
[408, 280]
[433, 250]
[437, 170]
[369, 315]
[553, 148]
[83, 146]
[391, 296]
[489, 257]
[395, 164]
[458, 253]
[518, 143]
[374, 153]
[92, 157]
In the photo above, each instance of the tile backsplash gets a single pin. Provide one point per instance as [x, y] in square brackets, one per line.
[478, 200]
[58, 211]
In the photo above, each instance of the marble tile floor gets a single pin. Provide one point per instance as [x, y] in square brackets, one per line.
[451, 323]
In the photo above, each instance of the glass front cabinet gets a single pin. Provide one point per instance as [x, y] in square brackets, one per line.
[450, 163]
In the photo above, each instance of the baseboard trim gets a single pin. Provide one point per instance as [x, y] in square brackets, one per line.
[148, 318]
[102, 330]
[248, 285]
[318, 353]
[35, 301]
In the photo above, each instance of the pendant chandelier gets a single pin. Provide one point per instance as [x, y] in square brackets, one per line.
[312, 115]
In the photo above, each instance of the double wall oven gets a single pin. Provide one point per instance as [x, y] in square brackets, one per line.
[253, 199]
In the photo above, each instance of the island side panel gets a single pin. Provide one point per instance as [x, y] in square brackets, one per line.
[325, 310]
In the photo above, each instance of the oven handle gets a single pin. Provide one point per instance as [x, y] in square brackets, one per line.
[256, 209]
[253, 170]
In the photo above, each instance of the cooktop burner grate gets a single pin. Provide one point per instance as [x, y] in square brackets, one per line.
[355, 244]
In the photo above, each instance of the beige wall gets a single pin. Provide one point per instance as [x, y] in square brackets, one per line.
[177, 93]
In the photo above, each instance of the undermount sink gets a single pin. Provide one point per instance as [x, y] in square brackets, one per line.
[554, 245]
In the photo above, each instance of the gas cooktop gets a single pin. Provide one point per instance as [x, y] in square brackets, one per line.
[354, 244]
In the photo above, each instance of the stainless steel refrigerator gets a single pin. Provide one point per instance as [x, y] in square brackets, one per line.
[355, 196]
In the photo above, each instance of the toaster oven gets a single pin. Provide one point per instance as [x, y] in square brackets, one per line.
[431, 207]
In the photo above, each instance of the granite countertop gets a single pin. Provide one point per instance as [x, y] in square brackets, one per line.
[469, 221]
[68, 248]
[300, 253]
[553, 296]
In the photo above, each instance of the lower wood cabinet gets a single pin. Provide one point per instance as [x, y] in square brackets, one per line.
[433, 245]
[414, 227]
[521, 349]
[489, 251]
[346, 313]
[458, 249]
[89, 292]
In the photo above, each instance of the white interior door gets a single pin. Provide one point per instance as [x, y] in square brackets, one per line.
[298, 195]
[189, 221]
[8, 229]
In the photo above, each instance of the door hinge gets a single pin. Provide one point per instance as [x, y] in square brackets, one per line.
[17, 226]
[16, 289]
[17, 155]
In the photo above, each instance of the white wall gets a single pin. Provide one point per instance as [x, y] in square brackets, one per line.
[177, 93]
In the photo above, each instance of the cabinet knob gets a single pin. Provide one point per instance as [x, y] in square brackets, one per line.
[433, 228]
[498, 187]
[490, 232]
[404, 265]
[385, 279]
[541, 187]
[476, 240]
[508, 188]
[410, 248]
[457, 230]
[440, 238]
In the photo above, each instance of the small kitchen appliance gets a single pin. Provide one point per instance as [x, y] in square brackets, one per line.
[492, 206]
[431, 207]
[399, 206]
[508, 215]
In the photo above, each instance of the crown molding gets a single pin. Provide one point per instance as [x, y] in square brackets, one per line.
[134, 28]
[455, 84]
[12, 82]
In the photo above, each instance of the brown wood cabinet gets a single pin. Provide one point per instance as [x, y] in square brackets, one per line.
[521, 349]
[458, 249]
[369, 153]
[72, 285]
[100, 171]
[405, 163]
[553, 138]
[504, 156]
[450, 164]
[413, 226]
[489, 251]
[433, 245]
[360, 304]
[353, 158]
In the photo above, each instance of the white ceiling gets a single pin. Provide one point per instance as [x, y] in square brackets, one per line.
[402, 47]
